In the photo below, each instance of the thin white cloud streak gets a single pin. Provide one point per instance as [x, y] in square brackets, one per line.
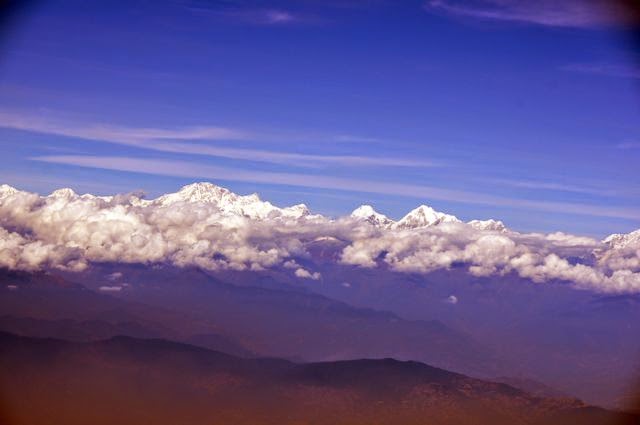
[355, 139]
[629, 145]
[189, 169]
[552, 13]
[551, 186]
[252, 16]
[610, 70]
[116, 134]
[167, 140]
[277, 17]
[295, 159]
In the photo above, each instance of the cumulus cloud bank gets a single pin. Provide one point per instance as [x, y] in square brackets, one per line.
[210, 227]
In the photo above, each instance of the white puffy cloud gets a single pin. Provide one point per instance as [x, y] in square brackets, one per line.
[306, 274]
[587, 263]
[110, 288]
[114, 276]
[18, 252]
[65, 230]
[210, 227]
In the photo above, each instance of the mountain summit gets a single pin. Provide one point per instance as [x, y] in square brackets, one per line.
[250, 206]
[623, 240]
[367, 213]
[424, 216]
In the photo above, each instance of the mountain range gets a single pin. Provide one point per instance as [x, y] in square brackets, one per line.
[232, 273]
[252, 207]
[131, 381]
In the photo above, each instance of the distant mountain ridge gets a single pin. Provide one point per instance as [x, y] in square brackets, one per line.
[251, 206]
[188, 305]
[248, 206]
[126, 380]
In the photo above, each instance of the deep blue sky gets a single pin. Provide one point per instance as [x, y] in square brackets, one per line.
[479, 109]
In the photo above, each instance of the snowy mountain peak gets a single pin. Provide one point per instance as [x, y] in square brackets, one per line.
[203, 192]
[298, 210]
[424, 216]
[491, 224]
[198, 192]
[623, 240]
[227, 202]
[363, 211]
[367, 213]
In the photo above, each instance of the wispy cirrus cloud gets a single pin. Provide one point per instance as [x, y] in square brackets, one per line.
[104, 132]
[553, 13]
[178, 168]
[609, 70]
[173, 140]
[253, 16]
[552, 186]
[249, 13]
[628, 145]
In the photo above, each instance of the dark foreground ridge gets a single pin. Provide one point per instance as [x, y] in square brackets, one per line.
[125, 380]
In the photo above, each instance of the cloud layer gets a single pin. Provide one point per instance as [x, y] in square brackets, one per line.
[210, 227]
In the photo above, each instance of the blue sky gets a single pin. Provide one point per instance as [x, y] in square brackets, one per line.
[480, 109]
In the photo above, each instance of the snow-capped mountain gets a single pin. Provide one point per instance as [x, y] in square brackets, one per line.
[424, 216]
[250, 206]
[623, 240]
[367, 213]
[200, 192]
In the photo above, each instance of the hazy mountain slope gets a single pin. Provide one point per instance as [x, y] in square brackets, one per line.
[93, 330]
[530, 386]
[582, 343]
[190, 305]
[130, 381]
[298, 324]
[46, 305]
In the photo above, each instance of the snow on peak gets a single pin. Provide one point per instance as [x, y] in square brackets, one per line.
[196, 192]
[296, 211]
[623, 240]
[227, 202]
[367, 213]
[491, 224]
[424, 216]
